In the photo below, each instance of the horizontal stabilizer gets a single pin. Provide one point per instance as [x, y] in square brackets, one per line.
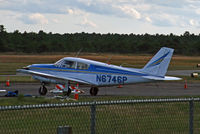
[162, 78]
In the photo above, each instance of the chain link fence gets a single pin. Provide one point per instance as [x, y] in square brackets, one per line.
[152, 116]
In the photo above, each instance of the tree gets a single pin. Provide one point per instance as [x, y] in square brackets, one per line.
[187, 33]
[2, 29]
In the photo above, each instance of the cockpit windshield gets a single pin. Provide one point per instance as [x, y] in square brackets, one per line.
[71, 64]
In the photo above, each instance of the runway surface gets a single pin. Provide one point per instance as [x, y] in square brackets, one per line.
[143, 89]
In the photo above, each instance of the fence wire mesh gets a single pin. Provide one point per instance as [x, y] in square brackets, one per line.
[45, 120]
[161, 116]
[145, 118]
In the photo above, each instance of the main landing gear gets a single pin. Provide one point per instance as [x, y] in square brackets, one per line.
[67, 93]
[94, 91]
[42, 90]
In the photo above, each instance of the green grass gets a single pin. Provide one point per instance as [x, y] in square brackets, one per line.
[20, 100]
[17, 79]
[10, 68]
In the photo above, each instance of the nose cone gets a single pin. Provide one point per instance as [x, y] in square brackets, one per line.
[27, 67]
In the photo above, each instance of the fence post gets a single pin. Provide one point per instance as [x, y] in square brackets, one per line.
[64, 130]
[191, 102]
[93, 120]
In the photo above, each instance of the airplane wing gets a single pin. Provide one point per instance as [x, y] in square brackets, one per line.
[54, 77]
[160, 78]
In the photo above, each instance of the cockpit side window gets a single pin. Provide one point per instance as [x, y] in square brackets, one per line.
[82, 66]
[69, 64]
[64, 63]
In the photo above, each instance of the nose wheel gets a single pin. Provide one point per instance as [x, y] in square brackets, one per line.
[42, 90]
[94, 91]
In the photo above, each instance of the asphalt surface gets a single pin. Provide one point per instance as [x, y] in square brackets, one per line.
[181, 72]
[142, 89]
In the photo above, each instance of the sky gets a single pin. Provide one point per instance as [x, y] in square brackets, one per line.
[101, 16]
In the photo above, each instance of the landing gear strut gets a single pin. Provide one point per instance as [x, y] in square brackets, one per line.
[43, 90]
[94, 91]
[67, 93]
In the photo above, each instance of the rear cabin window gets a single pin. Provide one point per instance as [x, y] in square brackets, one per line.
[82, 65]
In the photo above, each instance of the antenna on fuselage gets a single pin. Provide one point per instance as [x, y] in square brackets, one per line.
[77, 54]
[108, 60]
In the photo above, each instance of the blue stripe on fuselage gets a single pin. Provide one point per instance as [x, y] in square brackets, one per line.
[102, 69]
[91, 69]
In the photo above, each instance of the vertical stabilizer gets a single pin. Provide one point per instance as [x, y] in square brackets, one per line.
[158, 65]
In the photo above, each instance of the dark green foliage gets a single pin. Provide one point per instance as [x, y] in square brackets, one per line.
[187, 44]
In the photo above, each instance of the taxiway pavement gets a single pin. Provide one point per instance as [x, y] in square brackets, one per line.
[142, 89]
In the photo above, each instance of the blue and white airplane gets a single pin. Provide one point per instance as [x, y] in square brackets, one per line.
[98, 74]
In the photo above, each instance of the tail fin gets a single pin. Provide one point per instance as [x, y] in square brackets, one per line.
[158, 65]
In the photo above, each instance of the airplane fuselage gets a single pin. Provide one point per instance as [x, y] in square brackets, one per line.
[97, 74]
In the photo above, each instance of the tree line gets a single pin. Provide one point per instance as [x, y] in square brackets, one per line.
[31, 42]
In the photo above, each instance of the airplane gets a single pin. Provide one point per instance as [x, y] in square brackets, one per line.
[98, 74]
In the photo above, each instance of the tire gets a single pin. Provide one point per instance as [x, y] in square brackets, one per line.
[43, 90]
[94, 91]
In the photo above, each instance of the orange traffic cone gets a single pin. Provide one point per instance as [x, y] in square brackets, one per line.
[185, 85]
[77, 85]
[8, 83]
[76, 95]
[120, 86]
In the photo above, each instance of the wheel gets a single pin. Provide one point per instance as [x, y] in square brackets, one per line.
[42, 90]
[94, 91]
